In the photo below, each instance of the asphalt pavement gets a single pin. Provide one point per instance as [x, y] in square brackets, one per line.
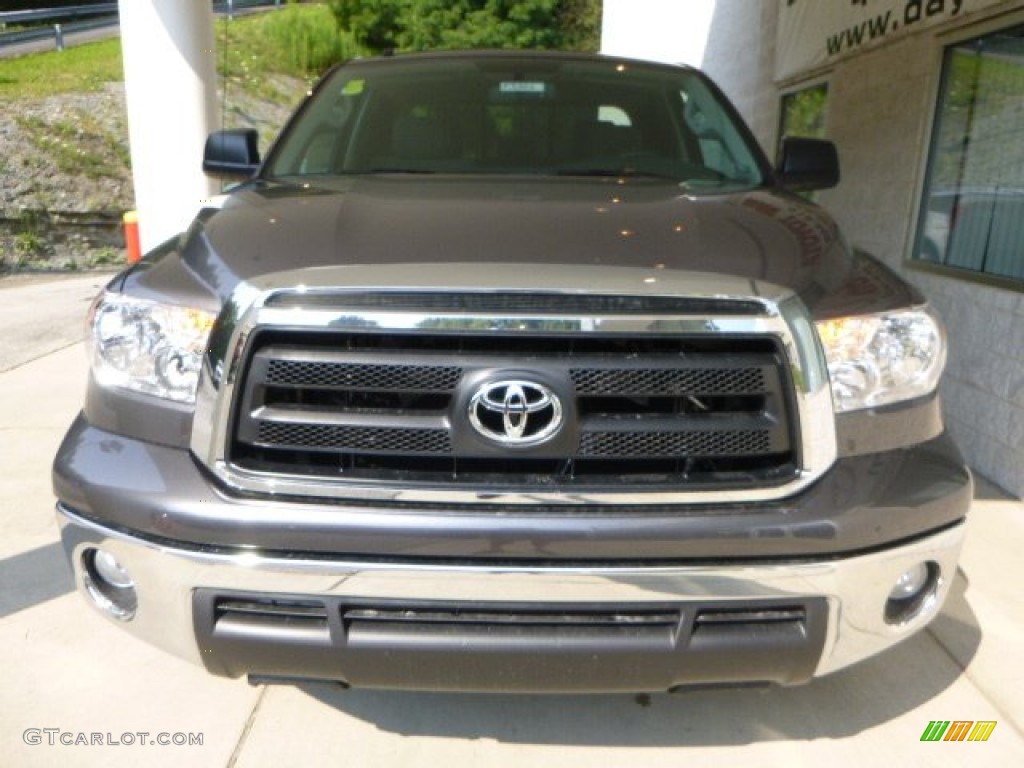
[75, 690]
[42, 314]
[50, 43]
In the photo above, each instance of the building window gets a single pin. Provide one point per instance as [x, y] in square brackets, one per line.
[972, 209]
[803, 113]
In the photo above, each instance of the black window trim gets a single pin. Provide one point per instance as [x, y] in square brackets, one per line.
[985, 27]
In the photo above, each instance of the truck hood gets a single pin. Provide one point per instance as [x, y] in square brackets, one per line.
[757, 235]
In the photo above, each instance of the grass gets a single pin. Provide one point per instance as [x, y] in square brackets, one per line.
[28, 244]
[299, 40]
[105, 257]
[79, 147]
[82, 68]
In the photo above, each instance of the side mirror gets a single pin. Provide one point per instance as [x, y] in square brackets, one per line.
[231, 155]
[808, 164]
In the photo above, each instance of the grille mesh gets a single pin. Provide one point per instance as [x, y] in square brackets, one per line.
[344, 438]
[392, 377]
[653, 382]
[676, 444]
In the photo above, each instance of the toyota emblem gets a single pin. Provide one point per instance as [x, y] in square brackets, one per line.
[515, 412]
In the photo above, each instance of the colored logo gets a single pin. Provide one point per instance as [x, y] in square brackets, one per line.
[517, 413]
[958, 730]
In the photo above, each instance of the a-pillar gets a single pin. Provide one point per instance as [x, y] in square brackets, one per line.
[170, 85]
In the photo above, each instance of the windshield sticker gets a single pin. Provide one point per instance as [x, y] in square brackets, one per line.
[522, 86]
[353, 88]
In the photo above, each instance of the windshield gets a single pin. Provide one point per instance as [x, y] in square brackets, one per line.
[517, 115]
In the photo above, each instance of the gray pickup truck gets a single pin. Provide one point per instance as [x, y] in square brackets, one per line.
[514, 372]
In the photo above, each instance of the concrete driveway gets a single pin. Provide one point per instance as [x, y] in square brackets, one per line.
[69, 675]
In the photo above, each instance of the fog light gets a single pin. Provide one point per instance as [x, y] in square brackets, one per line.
[913, 593]
[108, 584]
[108, 569]
[910, 582]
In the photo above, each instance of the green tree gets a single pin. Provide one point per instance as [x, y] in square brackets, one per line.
[417, 25]
[580, 21]
[373, 23]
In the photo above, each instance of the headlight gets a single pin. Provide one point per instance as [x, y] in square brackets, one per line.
[148, 347]
[878, 359]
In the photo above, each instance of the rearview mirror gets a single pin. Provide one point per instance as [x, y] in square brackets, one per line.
[231, 155]
[808, 164]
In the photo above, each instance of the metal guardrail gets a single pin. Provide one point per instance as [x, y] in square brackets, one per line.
[67, 23]
[66, 20]
[56, 32]
[230, 6]
[69, 12]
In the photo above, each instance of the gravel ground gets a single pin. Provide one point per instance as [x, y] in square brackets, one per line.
[65, 175]
[32, 179]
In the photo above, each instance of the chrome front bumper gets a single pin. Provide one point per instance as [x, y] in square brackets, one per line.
[853, 589]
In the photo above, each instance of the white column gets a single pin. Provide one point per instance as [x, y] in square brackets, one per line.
[673, 31]
[170, 85]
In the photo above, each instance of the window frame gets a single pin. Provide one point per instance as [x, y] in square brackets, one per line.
[943, 42]
[803, 85]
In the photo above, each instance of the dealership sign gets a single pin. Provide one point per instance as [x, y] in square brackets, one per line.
[813, 33]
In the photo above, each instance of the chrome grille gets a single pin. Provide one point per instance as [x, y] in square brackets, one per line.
[665, 412]
[500, 303]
